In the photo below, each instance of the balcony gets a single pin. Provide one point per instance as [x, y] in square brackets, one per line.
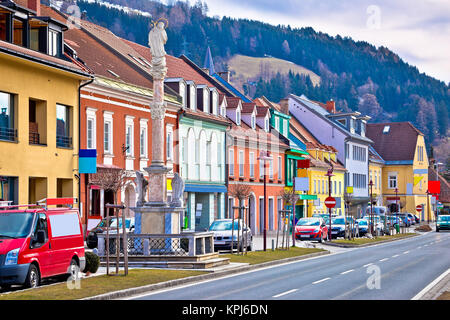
[8, 134]
[63, 142]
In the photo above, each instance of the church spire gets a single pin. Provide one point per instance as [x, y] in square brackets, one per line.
[209, 63]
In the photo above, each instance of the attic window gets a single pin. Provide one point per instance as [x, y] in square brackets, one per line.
[137, 60]
[114, 74]
[386, 129]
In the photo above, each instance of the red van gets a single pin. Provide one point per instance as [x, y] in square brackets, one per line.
[39, 242]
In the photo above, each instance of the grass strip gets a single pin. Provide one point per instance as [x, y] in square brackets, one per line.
[360, 241]
[100, 284]
[255, 257]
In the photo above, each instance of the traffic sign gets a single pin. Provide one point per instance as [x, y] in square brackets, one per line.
[419, 208]
[330, 202]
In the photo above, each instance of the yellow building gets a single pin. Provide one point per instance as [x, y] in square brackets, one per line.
[376, 164]
[405, 170]
[38, 110]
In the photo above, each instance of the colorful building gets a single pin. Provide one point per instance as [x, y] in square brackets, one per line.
[402, 147]
[39, 107]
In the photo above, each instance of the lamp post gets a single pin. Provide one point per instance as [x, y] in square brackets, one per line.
[264, 156]
[397, 208]
[371, 208]
[437, 179]
[329, 174]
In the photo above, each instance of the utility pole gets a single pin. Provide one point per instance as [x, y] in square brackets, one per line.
[329, 174]
[264, 156]
[371, 208]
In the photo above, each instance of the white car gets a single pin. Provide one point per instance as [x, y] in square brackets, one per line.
[223, 232]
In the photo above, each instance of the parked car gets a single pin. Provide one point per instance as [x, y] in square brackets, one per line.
[412, 218]
[378, 222]
[338, 225]
[311, 229]
[406, 220]
[92, 238]
[443, 222]
[222, 229]
[417, 218]
[39, 243]
[362, 227]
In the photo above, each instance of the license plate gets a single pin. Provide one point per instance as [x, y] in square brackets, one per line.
[304, 236]
[219, 242]
[334, 232]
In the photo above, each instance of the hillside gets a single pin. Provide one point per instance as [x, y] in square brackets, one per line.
[245, 69]
[357, 75]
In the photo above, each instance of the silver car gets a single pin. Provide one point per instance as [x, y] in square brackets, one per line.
[223, 232]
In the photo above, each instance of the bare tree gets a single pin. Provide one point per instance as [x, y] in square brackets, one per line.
[111, 179]
[289, 196]
[241, 192]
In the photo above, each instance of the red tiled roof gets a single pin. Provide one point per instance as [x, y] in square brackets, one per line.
[248, 107]
[233, 102]
[398, 144]
[207, 116]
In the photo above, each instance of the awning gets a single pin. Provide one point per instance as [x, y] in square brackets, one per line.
[207, 188]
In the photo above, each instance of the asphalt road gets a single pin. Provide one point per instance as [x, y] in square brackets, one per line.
[393, 270]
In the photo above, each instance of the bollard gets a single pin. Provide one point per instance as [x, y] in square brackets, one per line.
[273, 244]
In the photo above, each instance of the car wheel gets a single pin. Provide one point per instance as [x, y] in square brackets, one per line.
[33, 277]
[437, 229]
[321, 238]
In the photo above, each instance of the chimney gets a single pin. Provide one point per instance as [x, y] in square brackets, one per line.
[225, 75]
[206, 70]
[284, 104]
[331, 106]
[35, 5]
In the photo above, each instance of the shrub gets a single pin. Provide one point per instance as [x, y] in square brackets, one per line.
[92, 262]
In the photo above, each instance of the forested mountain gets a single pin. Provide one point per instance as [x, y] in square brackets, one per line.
[357, 75]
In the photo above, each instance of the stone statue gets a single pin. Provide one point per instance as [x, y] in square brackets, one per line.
[157, 38]
[142, 185]
[177, 190]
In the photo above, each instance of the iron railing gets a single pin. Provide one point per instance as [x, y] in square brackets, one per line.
[184, 244]
[63, 141]
[8, 134]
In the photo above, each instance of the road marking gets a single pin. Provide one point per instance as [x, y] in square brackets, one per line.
[318, 281]
[348, 271]
[430, 286]
[406, 252]
[419, 247]
[369, 264]
[384, 259]
[395, 256]
[284, 293]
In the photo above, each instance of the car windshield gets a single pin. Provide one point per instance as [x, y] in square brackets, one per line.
[114, 223]
[443, 218]
[308, 222]
[338, 221]
[223, 225]
[15, 225]
[363, 222]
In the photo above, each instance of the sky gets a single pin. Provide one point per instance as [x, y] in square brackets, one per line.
[417, 30]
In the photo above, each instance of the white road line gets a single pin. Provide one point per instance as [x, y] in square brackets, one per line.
[369, 264]
[395, 256]
[348, 271]
[430, 286]
[322, 280]
[384, 259]
[406, 252]
[419, 247]
[284, 293]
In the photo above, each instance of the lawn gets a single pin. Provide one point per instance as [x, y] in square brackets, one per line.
[360, 241]
[93, 286]
[255, 257]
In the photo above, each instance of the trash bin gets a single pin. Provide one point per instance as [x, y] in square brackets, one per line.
[397, 228]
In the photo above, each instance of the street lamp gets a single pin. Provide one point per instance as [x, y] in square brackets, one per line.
[397, 208]
[329, 174]
[264, 156]
[371, 208]
[437, 179]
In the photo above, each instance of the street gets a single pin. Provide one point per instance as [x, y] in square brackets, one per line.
[394, 270]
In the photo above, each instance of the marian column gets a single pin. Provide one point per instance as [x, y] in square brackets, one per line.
[157, 216]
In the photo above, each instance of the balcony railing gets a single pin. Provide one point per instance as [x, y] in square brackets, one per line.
[8, 134]
[63, 141]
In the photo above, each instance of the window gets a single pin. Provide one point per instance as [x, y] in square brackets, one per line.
[4, 21]
[285, 128]
[241, 163]
[270, 169]
[359, 181]
[392, 180]
[386, 129]
[277, 124]
[238, 117]
[143, 142]
[280, 168]
[107, 131]
[231, 162]
[63, 136]
[420, 153]
[215, 102]
[91, 127]
[359, 154]
[347, 151]
[129, 136]
[340, 187]
[193, 97]
[206, 100]
[7, 114]
[223, 110]
[183, 93]
[261, 169]
[266, 124]
[315, 187]
[253, 121]
[54, 43]
[252, 164]
[169, 143]
[18, 32]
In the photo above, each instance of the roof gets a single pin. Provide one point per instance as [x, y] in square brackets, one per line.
[233, 102]
[248, 107]
[398, 144]
[232, 89]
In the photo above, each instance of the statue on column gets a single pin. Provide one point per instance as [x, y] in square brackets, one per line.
[142, 185]
[157, 38]
[177, 190]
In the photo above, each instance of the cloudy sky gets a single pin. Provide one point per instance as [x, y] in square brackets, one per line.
[417, 30]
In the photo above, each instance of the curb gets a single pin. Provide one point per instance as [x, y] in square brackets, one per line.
[342, 245]
[435, 288]
[172, 283]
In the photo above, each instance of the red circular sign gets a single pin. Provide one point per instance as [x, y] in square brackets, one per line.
[330, 202]
[419, 208]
